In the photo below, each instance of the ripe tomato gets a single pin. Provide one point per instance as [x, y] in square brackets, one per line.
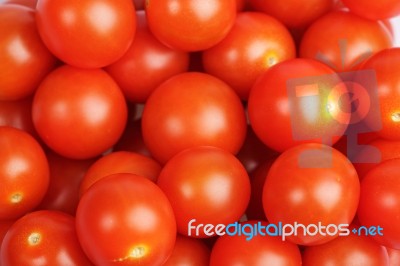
[4, 226]
[79, 113]
[380, 202]
[146, 64]
[192, 109]
[189, 252]
[190, 25]
[260, 250]
[43, 238]
[331, 40]
[347, 250]
[126, 219]
[24, 173]
[311, 184]
[27, 3]
[120, 162]
[385, 65]
[283, 116]
[255, 43]
[394, 256]
[24, 60]
[294, 13]
[216, 192]
[89, 33]
[374, 10]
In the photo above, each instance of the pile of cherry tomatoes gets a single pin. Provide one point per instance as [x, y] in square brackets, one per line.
[130, 130]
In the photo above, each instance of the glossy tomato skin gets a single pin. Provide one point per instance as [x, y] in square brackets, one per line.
[126, 219]
[189, 252]
[24, 59]
[255, 43]
[24, 173]
[374, 10]
[4, 226]
[385, 66]
[43, 238]
[87, 34]
[293, 119]
[260, 250]
[380, 201]
[27, 3]
[190, 25]
[79, 113]
[311, 184]
[120, 162]
[192, 109]
[146, 64]
[347, 250]
[331, 41]
[207, 184]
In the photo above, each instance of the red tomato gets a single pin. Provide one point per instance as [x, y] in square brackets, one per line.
[79, 113]
[120, 162]
[146, 64]
[394, 256]
[24, 60]
[189, 252]
[385, 65]
[347, 250]
[192, 109]
[380, 202]
[332, 41]
[89, 33]
[65, 178]
[27, 3]
[24, 173]
[374, 10]
[311, 184]
[190, 25]
[207, 184]
[301, 113]
[255, 43]
[4, 226]
[260, 250]
[43, 238]
[126, 219]
[294, 13]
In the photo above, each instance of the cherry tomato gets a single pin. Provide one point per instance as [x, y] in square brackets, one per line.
[380, 202]
[24, 60]
[189, 252]
[190, 25]
[146, 64]
[347, 250]
[374, 10]
[331, 40]
[192, 109]
[27, 3]
[387, 74]
[207, 184]
[24, 173]
[120, 162]
[260, 250]
[79, 113]
[255, 43]
[89, 33]
[43, 238]
[4, 226]
[308, 112]
[311, 184]
[126, 219]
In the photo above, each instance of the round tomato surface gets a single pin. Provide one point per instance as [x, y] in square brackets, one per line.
[255, 43]
[192, 109]
[24, 59]
[79, 113]
[24, 173]
[311, 184]
[189, 252]
[27, 3]
[374, 10]
[331, 41]
[89, 33]
[313, 109]
[43, 238]
[190, 25]
[205, 185]
[126, 219]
